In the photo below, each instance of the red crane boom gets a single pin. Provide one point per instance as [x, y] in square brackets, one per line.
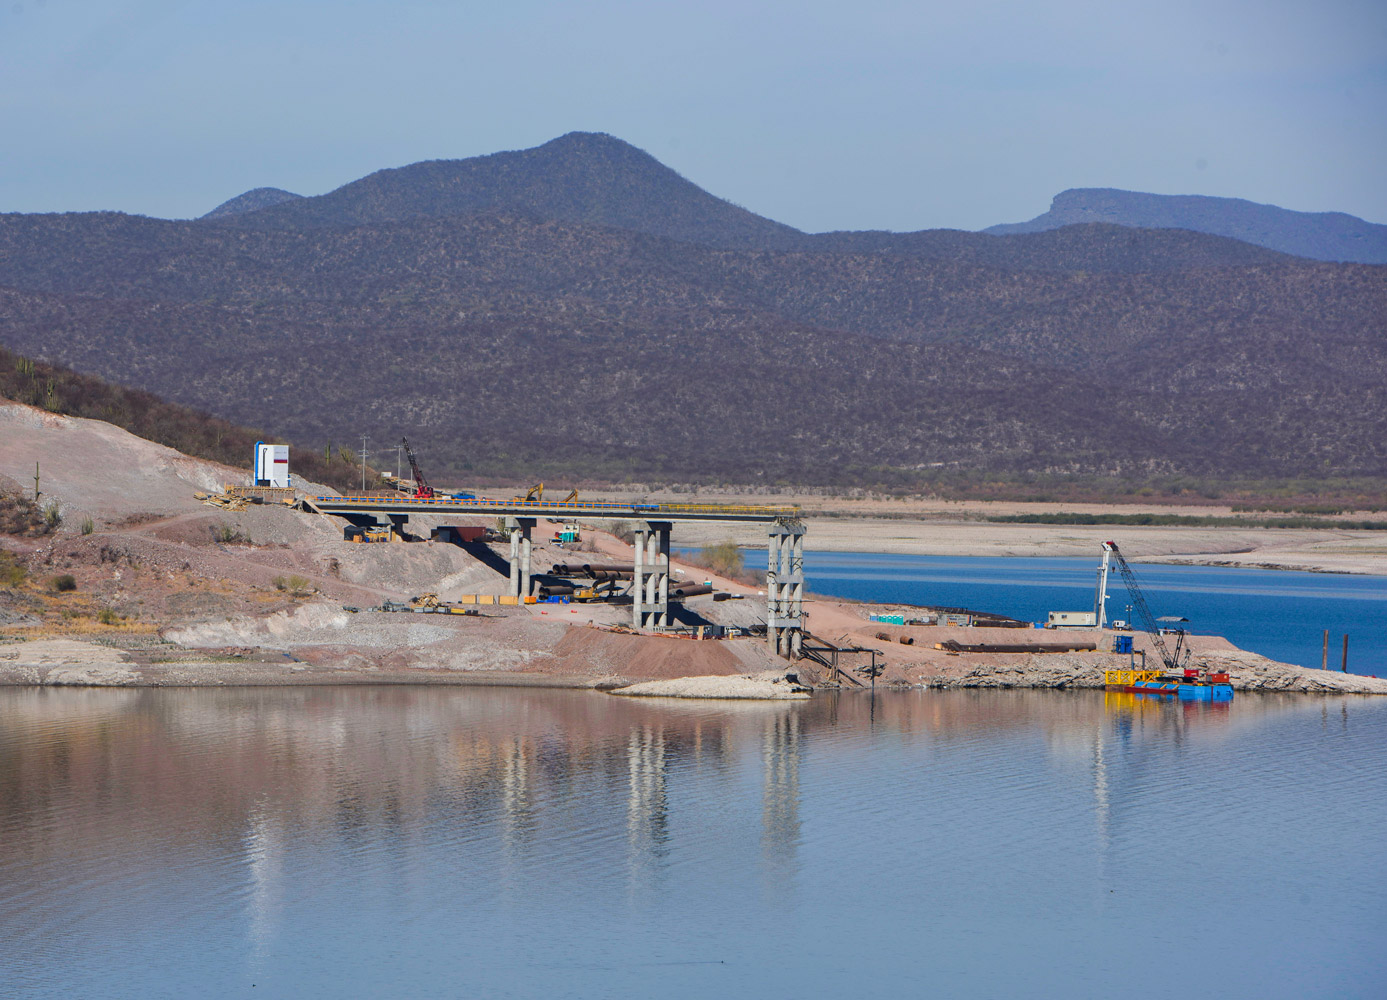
[422, 489]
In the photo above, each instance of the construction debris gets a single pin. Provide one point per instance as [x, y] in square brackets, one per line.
[954, 646]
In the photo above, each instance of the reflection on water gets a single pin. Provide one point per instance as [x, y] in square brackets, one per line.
[348, 841]
[780, 751]
[647, 810]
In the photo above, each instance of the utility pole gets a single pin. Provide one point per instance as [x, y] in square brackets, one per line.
[363, 463]
[36, 482]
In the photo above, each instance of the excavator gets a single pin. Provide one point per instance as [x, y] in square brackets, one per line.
[536, 493]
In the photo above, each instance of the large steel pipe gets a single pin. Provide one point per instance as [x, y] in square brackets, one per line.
[690, 590]
[597, 571]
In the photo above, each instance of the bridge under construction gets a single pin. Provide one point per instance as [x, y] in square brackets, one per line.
[652, 524]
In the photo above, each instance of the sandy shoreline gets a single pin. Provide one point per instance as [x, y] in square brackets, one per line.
[1311, 550]
[578, 657]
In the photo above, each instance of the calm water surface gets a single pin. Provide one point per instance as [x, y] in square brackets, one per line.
[344, 842]
[1278, 614]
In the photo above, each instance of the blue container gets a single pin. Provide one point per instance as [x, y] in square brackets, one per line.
[1122, 644]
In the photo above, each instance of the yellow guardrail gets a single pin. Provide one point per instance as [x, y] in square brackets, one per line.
[613, 506]
[1130, 676]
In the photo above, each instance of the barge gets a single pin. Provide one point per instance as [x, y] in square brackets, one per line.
[1189, 685]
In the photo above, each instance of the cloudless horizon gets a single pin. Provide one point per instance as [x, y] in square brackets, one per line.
[886, 115]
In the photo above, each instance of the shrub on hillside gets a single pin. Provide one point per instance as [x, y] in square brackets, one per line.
[20, 515]
[12, 571]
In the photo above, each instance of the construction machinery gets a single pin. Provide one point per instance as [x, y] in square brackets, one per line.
[1177, 679]
[1173, 661]
[534, 494]
[422, 489]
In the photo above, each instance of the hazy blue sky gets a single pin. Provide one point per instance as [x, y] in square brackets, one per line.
[824, 115]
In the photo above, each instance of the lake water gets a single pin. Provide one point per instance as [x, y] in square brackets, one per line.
[405, 841]
[1278, 614]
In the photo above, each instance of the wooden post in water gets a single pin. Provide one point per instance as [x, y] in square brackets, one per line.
[1344, 664]
[1324, 657]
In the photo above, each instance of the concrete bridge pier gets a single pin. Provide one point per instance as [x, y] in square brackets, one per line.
[785, 588]
[521, 548]
[650, 576]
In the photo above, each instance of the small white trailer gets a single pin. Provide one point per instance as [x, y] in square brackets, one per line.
[271, 465]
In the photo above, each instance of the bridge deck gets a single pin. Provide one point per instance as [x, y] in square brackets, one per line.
[545, 508]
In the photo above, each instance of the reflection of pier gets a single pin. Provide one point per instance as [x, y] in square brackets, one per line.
[647, 802]
[780, 750]
[517, 798]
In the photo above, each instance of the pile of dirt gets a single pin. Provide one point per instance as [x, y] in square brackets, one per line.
[770, 685]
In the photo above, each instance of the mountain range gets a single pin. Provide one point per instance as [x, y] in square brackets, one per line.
[1332, 236]
[581, 310]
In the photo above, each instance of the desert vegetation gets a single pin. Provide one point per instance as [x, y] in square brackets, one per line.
[61, 390]
[615, 324]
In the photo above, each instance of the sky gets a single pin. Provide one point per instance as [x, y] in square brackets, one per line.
[875, 114]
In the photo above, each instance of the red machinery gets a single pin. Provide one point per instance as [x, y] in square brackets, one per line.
[422, 489]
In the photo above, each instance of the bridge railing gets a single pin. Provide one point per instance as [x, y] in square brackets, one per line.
[642, 509]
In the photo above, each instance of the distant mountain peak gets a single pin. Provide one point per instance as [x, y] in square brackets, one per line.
[591, 178]
[252, 201]
[1330, 236]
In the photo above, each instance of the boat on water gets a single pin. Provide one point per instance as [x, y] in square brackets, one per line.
[1191, 684]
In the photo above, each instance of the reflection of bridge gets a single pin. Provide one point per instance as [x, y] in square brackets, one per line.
[652, 523]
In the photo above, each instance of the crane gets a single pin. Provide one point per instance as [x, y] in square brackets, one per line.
[422, 489]
[1173, 661]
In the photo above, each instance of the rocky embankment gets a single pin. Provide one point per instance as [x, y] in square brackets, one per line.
[1246, 671]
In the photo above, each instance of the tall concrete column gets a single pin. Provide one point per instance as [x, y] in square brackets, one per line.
[514, 556]
[652, 582]
[663, 595]
[650, 576]
[521, 548]
[797, 594]
[785, 588]
[638, 578]
[772, 588]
